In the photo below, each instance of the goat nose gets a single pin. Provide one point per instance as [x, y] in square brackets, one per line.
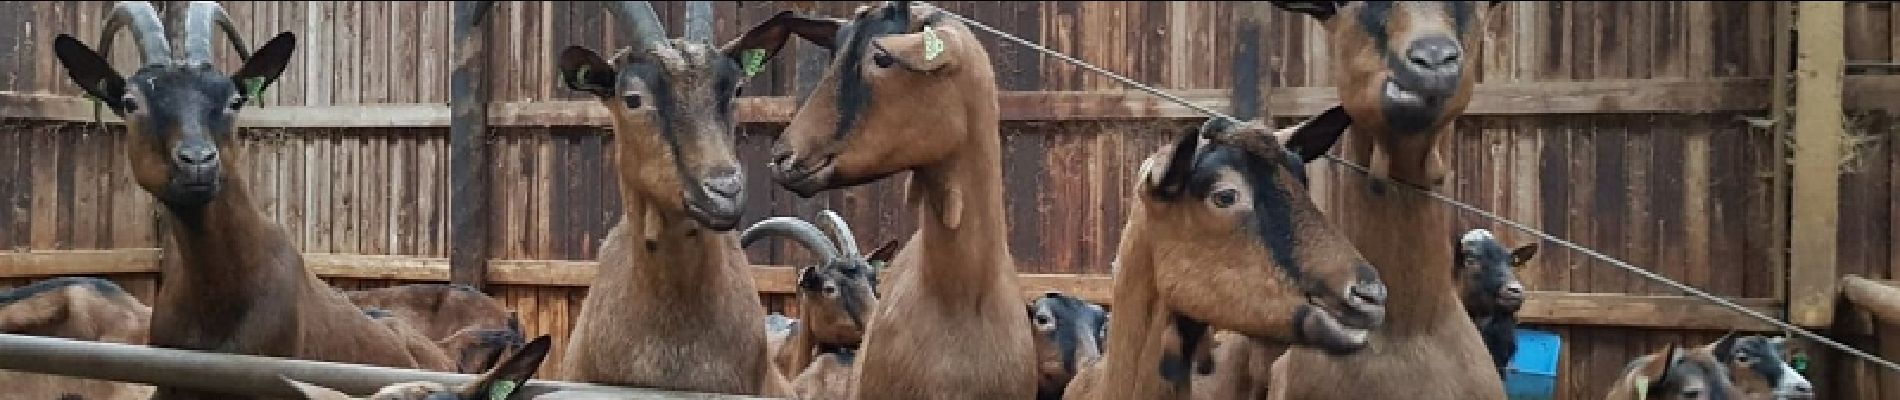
[725, 184]
[196, 155]
[1369, 293]
[1435, 55]
[1514, 290]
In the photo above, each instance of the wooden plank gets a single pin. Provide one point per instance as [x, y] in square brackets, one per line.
[468, 149]
[42, 263]
[1817, 154]
[1249, 67]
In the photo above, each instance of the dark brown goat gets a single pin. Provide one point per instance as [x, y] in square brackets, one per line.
[1070, 336]
[80, 308]
[233, 281]
[1221, 235]
[1405, 72]
[467, 324]
[834, 295]
[674, 305]
[910, 90]
[1491, 292]
[1675, 373]
[1760, 369]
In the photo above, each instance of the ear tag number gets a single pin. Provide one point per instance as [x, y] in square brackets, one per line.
[501, 390]
[753, 60]
[933, 45]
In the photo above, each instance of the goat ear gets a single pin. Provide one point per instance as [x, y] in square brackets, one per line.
[1522, 256]
[1321, 10]
[930, 50]
[583, 70]
[91, 72]
[266, 65]
[1313, 137]
[884, 253]
[314, 392]
[759, 44]
[1180, 163]
[501, 382]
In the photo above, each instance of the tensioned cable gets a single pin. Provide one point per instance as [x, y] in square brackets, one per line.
[1440, 197]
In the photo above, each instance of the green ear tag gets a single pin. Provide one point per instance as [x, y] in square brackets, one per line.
[1800, 363]
[1642, 387]
[501, 390]
[253, 89]
[933, 45]
[753, 60]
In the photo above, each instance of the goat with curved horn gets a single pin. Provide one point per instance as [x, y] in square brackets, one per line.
[198, 21]
[646, 27]
[147, 30]
[847, 241]
[794, 228]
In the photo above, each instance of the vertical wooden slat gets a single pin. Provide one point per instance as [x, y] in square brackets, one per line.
[468, 134]
[319, 18]
[1818, 125]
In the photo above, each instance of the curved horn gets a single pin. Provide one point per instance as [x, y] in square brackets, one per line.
[795, 228]
[645, 25]
[198, 20]
[147, 30]
[846, 240]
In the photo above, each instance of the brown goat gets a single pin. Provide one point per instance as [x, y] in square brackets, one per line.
[1675, 374]
[1403, 76]
[234, 283]
[79, 308]
[1237, 367]
[467, 324]
[1070, 336]
[498, 383]
[1759, 367]
[1221, 235]
[833, 297]
[909, 89]
[674, 306]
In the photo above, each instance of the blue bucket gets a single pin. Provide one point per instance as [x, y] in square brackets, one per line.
[1532, 374]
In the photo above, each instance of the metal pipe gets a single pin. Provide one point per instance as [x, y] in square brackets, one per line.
[255, 375]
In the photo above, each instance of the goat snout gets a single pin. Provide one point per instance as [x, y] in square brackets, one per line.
[719, 199]
[1435, 55]
[194, 155]
[1511, 293]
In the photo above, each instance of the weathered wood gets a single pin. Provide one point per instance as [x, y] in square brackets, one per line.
[1778, 186]
[1881, 298]
[1251, 85]
[468, 148]
[1818, 131]
[77, 262]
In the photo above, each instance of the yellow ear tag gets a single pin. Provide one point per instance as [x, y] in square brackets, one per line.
[753, 61]
[501, 390]
[933, 45]
[1642, 387]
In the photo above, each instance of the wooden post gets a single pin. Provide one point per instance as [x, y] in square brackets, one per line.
[1778, 118]
[1818, 124]
[468, 149]
[1250, 68]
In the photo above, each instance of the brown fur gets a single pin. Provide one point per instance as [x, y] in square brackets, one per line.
[233, 281]
[1240, 367]
[1185, 257]
[834, 297]
[460, 320]
[1429, 348]
[90, 309]
[1675, 373]
[828, 377]
[674, 306]
[514, 371]
[950, 325]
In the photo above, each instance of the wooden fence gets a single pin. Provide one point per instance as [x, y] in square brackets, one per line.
[1622, 126]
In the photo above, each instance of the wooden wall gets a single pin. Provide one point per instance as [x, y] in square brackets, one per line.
[1663, 184]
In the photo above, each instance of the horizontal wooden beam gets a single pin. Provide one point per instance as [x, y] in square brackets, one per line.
[1528, 98]
[1548, 308]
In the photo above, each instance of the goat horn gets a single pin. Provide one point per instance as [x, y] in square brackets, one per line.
[147, 30]
[198, 33]
[847, 241]
[645, 25]
[795, 228]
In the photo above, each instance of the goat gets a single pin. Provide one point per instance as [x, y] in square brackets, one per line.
[1221, 235]
[1488, 286]
[498, 383]
[1236, 367]
[80, 308]
[466, 323]
[1675, 374]
[909, 89]
[674, 306]
[1759, 370]
[1403, 77]
[234, 283]
[833, 297]
[1070, 335]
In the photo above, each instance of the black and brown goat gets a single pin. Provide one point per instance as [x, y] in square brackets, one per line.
[1071, 334]
[1675, 373]
[1759, 367]
[234, 282]
[1221, 235]
[80, 308]
[834, 297]
[1490, 290]
[674, 305]
[500, 381]
[467, 324]
[911, 90]
[1404, 73]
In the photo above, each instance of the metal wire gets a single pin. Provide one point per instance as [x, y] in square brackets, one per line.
[1440, 197]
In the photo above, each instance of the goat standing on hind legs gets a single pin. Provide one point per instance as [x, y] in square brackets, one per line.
[1406, 71]
[911, 90]
[233, 283]
[674, 306]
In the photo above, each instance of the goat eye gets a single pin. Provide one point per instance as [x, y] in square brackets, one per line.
[882, 60]
[1742, 359]
[237, 103]
[1225, 197]
[129, 104]
[632, 99]
[1044, 323]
